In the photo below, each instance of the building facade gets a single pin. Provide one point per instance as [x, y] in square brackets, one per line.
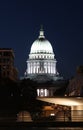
[7, 69]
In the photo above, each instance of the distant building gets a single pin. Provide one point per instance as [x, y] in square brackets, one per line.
[41, 65]
[75, 87]
[7, 69]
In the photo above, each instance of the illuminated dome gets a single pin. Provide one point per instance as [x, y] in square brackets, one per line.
[41, 45]
[41, 64]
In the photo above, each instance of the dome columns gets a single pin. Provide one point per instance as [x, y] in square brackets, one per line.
[43, 67]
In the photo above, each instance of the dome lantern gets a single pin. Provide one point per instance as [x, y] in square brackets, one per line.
[41, 33]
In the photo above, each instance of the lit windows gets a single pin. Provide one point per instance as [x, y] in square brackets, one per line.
[42, 92]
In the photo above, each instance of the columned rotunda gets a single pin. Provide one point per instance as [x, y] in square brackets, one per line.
[41, 64]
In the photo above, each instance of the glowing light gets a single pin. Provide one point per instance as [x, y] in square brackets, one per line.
[52, 114]
[37, 92]
[46, 93]
[23, 116]
[64, 101]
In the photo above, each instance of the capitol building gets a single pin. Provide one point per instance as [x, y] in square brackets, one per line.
[41, 64]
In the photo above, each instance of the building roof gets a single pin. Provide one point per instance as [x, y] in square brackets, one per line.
[41, 45]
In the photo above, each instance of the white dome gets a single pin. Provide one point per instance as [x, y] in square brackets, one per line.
[41, 45]
[41, 63]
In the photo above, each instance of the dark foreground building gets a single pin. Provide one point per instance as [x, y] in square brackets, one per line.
[7, 69]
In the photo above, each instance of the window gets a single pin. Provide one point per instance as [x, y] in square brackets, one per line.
[1, 53]
[8, 73]
[42, 92]
[6, 53]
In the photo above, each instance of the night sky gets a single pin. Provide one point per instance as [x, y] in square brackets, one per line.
[20, 22]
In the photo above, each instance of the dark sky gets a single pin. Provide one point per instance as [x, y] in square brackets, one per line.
[20, 22]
